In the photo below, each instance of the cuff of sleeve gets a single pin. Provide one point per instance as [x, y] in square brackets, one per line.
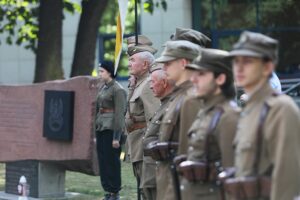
[117, 135]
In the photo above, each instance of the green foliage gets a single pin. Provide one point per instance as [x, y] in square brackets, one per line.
[19, 21]
[149, 5]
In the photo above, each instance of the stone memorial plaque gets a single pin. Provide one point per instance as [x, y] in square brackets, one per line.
[58, 115]
[22, 119]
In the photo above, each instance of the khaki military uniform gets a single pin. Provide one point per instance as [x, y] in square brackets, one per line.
[111, 108]
[280, 146]
[149, 165]
[188, 113]
[110, 124]
[220, 150]
[169, 131]
[141, 107]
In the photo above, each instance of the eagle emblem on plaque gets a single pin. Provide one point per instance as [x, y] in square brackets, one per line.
[56, 109]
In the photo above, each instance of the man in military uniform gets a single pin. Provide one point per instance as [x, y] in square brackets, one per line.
[212, 133]
[161, 88]
[267, 143]
[191, 104]
[175, 56]
[141, 102]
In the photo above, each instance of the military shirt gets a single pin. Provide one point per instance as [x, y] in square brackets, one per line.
[169, 131]
[280, 146]
[188, 113]
[149, 165]
[220, 147]
[112, 96]
[141, 107]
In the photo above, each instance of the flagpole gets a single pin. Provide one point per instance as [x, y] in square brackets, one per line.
[136, 22]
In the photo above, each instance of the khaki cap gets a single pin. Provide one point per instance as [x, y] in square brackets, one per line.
[214, 60]
[140, 48]
[155, 66]
[255, 45]
[178, 49]
[191, 35]
[142, 40]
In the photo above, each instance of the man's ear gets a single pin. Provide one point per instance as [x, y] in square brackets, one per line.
[221, 79]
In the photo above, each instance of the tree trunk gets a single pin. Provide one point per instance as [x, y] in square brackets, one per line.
[85, 48]
[49, 49]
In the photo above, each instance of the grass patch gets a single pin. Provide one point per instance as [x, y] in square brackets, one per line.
[90, 185]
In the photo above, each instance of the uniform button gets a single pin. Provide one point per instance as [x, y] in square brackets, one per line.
[181, 187]
[211, 190]
[167, 109]
[191, 148]
[143, 138]
[193, 135]
[169, 121]
[157, 121]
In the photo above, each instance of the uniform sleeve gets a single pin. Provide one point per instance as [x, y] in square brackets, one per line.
[188, 113]
[283, 122]
[150, 102]
[227, 130]
[120, 109]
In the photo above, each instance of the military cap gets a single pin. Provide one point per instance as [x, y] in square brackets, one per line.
[155, 66]
[255, 45]
[140, 48]
[108, 66]
[191, 35]
[212, 60]
[142, 40]
[178, 49]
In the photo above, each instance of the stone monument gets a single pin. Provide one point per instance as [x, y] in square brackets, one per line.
[45, 129]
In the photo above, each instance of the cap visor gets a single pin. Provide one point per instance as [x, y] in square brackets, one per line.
[195, 67]
[244, 52]
[164, 59]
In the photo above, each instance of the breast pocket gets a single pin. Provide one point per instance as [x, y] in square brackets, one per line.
[135, 106]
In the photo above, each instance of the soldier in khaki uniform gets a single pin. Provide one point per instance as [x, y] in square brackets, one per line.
[211, 134]
[161, 88]
[267, 143]
[110, 124]
[141, 102]
[175, 56]
[191, 104]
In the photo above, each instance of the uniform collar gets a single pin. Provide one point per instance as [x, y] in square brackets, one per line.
[166, 98]
[110, 83]
[260, 94]
[141, 79]
[186, 85]
[210, 102]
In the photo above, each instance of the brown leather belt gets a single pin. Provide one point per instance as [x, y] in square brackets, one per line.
[106, 110]
[136, 126]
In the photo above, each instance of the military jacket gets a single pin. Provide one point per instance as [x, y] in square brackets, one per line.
[169, 129]
[112, 96]
[149, 165]
[280, 146]
[141, 106]
[221, 146]
[188, 113]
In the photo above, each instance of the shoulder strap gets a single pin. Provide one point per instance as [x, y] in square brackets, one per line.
[212, 126]
[259, 138]
[176, 116]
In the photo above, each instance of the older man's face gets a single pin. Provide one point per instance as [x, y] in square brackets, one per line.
[136, 65]
[158, 83]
